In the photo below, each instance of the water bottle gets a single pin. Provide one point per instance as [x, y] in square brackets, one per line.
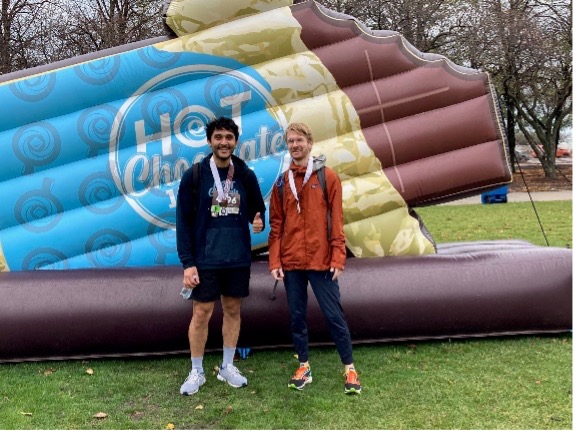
[186, 293]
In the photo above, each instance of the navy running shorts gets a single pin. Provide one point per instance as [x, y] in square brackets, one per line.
[214, 283]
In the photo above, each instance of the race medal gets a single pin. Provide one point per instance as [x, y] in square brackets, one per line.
[222, 192]
[221, 197]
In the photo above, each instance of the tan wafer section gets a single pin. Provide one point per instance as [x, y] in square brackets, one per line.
[377, 222]
[185, 17]
[3, 263]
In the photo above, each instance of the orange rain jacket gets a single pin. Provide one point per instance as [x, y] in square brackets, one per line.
[299, 241]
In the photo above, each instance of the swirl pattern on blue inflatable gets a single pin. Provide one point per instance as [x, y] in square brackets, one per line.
[107, 197]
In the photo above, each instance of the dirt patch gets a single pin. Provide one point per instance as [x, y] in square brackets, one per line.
[533, 177]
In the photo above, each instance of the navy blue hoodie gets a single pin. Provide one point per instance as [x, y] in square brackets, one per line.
[222, 242]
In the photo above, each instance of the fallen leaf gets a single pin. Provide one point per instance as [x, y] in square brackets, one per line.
[90, 371]
[100, 415]
[228, 409]
[199, 407]
[170, 426]
[253, 392]
[538, 382]
[26, 413]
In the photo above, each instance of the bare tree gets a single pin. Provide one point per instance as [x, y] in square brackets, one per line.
[19, 29]
[528, 52]
[95, 25]
[38, 32]
[543, 85]
[427, 24]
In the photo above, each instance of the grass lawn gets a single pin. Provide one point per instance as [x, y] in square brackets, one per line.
[454, 223]
[513, 383]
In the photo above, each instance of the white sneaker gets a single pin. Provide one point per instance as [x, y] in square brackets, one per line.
[192, 383]
[232, 376]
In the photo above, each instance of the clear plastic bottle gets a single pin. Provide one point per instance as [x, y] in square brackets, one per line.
[186, 293]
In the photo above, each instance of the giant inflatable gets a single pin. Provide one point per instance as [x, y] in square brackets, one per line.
[94, 148]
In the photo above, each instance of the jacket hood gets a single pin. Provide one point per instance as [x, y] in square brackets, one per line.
[318, 163]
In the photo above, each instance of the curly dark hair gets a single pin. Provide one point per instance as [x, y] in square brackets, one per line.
[221, 123]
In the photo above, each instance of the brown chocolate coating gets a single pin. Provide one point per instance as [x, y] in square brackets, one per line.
[432, 124]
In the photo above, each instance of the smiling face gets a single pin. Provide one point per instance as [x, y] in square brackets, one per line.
[299, 146]
[222, 143]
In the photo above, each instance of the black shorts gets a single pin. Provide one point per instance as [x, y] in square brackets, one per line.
[231, 282]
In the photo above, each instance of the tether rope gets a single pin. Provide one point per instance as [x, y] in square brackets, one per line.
[531, 197]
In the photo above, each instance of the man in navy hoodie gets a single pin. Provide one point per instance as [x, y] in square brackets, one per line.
[214, 246]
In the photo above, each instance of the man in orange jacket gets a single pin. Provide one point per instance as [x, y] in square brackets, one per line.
[305, 247]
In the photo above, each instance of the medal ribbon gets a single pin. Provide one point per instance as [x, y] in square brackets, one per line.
[292, 185]
[223, 193]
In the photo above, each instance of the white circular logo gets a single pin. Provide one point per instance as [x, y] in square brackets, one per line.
[163, 133]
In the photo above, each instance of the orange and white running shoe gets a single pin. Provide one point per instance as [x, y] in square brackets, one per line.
[352, 384]
[301, 378]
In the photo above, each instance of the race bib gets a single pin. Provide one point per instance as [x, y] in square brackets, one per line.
[231, 206]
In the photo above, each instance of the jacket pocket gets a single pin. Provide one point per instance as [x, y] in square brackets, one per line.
[225, 245]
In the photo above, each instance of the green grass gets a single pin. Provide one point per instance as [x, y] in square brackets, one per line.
[455, 223]
[507, 383]
[516, 383]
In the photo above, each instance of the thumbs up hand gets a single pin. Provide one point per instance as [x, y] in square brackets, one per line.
[257, 224]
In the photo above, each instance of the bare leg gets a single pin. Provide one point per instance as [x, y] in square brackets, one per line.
[231, 320]
[198, 329]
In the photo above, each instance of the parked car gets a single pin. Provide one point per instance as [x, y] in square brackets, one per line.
[522, 156]
[561, 152]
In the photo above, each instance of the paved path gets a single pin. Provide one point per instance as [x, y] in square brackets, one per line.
[521, 196]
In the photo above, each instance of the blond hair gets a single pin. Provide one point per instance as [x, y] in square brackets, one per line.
[299, 128]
